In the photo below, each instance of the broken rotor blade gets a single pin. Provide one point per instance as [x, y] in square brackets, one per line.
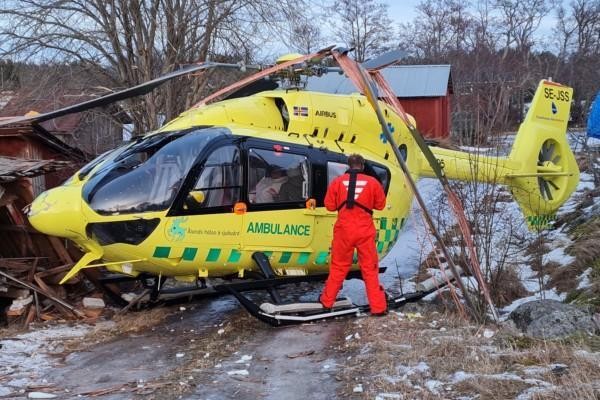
[138, 90]
[258, 86]
[384, 60]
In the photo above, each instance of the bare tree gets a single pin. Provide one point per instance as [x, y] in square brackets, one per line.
[132, 41]
[362, 24]
[305, 33]
[482, 35]
[578, 31]
[586, 16]
[519, 19]
[443, 27]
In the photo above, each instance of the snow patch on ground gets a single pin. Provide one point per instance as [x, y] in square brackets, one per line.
[26, 356]
[559, 256]
[461, 376]
[535, 390]
[586, 185]
[584, 279]
[529, 278]
[558, 241]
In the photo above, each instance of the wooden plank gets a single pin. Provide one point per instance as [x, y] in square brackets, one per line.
[63, 310]
[29, 316]
[60, 250]
[57, 273]
[54, 299]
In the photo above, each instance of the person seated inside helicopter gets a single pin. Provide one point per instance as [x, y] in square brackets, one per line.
[267, 189]
[292, 189]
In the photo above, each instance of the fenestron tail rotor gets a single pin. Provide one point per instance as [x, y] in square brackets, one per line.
[548, 161]
[545, 169]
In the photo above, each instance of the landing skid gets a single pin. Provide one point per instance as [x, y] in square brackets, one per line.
[299, 313]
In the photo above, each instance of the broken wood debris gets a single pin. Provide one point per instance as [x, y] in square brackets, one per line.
[29, 287]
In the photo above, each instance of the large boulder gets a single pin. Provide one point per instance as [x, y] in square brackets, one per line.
[551, 319]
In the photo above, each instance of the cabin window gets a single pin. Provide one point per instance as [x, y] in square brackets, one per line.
[220, 181]
[334, 170]
[380, 173]
[277, 177]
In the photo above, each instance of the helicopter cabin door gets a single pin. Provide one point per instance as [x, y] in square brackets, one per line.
[203, 226]
[277, 222]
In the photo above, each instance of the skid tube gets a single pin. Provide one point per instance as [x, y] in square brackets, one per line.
[310, 314]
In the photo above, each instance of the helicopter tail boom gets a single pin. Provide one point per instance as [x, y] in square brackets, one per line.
[541, 171]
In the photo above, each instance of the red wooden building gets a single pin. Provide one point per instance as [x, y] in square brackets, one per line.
[425, 92]
[33, 142]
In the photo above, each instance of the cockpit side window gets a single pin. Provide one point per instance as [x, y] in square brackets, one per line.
[219, 183]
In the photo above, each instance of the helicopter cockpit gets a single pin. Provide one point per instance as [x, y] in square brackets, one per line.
[146, 175]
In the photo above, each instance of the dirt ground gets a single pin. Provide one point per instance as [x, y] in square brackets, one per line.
[210, 350]
[213, 350]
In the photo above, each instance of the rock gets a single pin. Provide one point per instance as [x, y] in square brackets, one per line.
[93, 302]
[551, 319]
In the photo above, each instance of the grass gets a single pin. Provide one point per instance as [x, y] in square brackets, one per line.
[499, 367]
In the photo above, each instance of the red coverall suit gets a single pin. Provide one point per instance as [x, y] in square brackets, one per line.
[354, 228]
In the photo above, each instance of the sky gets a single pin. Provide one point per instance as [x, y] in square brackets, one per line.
[404, 10]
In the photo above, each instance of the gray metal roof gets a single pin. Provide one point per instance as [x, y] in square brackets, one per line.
[406, 81]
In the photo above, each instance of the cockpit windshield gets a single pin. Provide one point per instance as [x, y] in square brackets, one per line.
[147, 175]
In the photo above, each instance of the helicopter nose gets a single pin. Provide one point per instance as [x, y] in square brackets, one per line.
[57, 212]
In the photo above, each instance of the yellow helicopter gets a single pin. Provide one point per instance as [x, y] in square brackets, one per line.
[235, 188]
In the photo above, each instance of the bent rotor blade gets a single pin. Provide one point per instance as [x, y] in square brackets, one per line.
[117, 96]
[261, 85]
[385, 60]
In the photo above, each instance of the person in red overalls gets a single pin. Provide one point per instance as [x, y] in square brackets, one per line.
[354, 195]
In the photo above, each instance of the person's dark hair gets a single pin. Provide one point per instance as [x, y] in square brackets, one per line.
[356, 161]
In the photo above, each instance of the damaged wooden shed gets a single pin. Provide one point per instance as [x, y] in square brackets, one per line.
[31, 161]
